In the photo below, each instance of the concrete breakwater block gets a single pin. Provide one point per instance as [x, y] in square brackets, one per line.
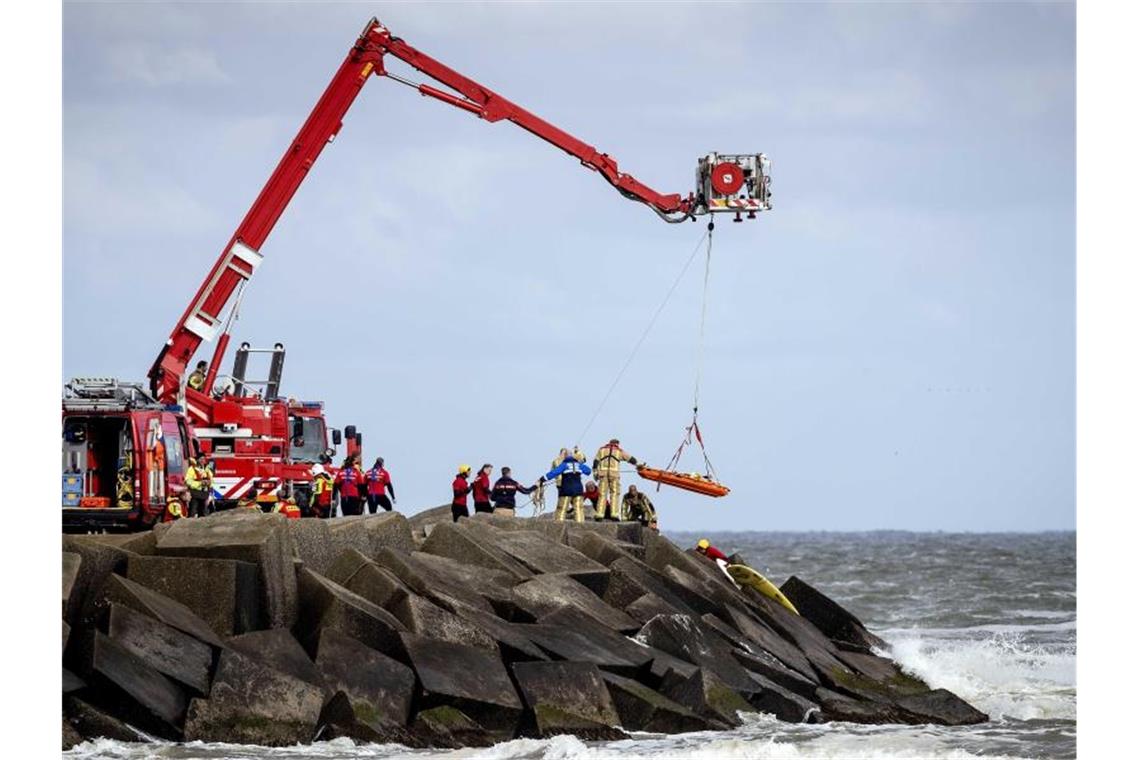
[250, 628]
[252, 704]
[567, 697]
[469, 679]
[379, 689]
[325, 604]
[250, 536]
[225, 593]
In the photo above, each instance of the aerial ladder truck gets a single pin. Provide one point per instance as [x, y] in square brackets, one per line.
[732, 184]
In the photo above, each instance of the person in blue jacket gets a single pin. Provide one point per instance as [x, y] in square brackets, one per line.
[570, 488]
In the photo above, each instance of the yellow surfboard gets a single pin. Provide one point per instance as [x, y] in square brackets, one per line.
[746, 576]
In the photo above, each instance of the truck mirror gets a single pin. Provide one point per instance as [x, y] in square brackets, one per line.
[336, 437]
[350, 432]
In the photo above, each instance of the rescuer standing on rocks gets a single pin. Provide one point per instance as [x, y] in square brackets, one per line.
[481, 490]
[197, 378]
[378, 480]
[459, 491]
[570, 489]
[198, 480]
[322, 491]
[503, 494]
[348, 481]
[607, 464]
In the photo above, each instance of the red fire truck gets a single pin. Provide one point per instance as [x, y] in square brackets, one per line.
[258, 439]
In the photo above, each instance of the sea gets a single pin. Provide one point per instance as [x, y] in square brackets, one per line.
[991, 617]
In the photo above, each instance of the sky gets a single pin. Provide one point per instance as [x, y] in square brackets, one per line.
[891, 347]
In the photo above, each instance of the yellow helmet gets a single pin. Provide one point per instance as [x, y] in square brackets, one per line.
[464, 469]
[703, 543]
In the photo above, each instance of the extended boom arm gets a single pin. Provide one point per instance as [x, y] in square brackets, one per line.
[203, 318]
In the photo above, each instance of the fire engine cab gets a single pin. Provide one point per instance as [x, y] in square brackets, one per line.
[123, 455]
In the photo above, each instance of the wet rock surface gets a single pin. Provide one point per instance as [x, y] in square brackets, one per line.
[250, 628]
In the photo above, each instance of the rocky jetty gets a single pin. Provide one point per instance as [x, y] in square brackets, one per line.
[251, 628]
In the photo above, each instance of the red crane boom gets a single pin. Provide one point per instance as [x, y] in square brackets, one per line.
[728, 183]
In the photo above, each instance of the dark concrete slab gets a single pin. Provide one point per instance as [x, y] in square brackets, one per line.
[325, 604]
[423, 618]
[643, 709]
[767, 665]
[829, 617]
[141, 695]
[97, 562]
[567, 697]
[709, 696]
[469, 679]
[786, 705]
[252, 704]
[541, 555]
[448, 728]
[688, 639]
[763, 639]
[379, 689]
[649, 605]
[137, 597]
[278, 650]
[631, 579]
[428, 579]
[91, 722]
[71, 563]
[547, 593]
[171, 652]
[225, 593]
[514, 646]
[941, 707]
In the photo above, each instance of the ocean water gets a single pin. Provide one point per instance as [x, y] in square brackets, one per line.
[992, 617]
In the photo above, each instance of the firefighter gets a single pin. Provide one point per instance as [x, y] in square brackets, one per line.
[197, 378]
[570, 486]
[205, 463]
[322, 493]
[503, 494]
[378, 480]
[637, 506]
[348, 481]
[557, 461]
[198, 480]
[607, 464]
[287, 504]
[459, 491]
[481, 490]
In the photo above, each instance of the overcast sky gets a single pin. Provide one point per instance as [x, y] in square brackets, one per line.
[891, 347]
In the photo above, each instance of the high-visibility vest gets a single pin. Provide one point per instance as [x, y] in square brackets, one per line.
[289, 509]
[173, 509]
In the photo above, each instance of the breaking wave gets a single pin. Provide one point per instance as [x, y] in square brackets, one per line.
[1001, 673]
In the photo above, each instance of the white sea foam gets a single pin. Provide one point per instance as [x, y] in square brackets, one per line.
[1000, 674]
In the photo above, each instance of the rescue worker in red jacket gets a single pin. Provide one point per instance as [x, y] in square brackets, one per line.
[459, 491]
[348, 481]
[481, 490]
[378, 480]
[710, 551]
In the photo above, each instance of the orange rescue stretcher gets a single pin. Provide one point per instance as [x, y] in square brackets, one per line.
[686, 481]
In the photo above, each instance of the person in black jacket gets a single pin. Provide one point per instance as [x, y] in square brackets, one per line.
[503, 493]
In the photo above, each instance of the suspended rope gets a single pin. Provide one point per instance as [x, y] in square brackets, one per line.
[706, 484]
[645, 333]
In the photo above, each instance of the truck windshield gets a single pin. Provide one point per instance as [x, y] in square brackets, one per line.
[314, 444]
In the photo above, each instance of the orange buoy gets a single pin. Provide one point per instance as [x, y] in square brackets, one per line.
[695, 483]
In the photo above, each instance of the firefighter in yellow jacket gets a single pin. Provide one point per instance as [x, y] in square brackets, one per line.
[607, 471]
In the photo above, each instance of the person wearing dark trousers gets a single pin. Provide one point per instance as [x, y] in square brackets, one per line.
[348, 481]
[459, 491]
[503, 494]
[481, 490]
[378, 480]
